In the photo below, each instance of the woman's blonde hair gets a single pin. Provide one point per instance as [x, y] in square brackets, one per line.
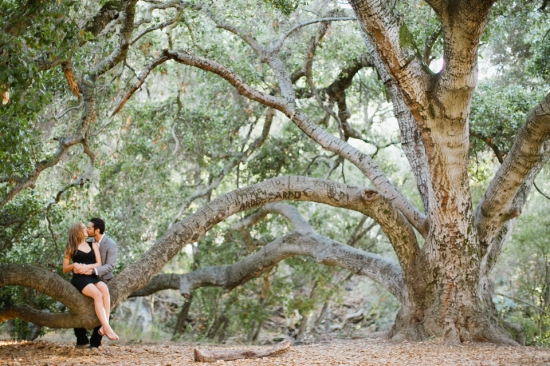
[76, 236]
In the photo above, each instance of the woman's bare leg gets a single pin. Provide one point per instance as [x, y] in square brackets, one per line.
[92, 291]
[102, 287]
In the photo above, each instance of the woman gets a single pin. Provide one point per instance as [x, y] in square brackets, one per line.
[80, 251]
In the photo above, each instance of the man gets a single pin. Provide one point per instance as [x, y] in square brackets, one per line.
[108, 251]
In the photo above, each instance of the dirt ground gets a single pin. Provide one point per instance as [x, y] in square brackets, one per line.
[336, 352]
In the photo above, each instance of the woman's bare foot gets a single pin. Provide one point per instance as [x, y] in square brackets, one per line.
[111, 335]
[101, 332]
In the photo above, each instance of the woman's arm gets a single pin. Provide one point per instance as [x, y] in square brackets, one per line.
[66, 266]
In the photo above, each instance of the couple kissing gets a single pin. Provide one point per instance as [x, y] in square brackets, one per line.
[92, 262]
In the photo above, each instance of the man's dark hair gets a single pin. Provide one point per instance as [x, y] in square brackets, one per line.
[98, 224]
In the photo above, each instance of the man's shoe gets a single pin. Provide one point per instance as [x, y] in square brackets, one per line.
[92, 347]
[86, 345]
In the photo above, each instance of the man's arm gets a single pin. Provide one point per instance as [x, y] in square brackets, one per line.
[110, 261]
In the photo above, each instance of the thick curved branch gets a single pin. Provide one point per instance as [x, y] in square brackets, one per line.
[81, 307]
[193, 227]
[42, 318]
[308, 243]
[322, 137]
[395, 47]
[525, 159]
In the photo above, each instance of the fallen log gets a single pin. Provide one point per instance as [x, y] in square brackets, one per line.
[236, 354]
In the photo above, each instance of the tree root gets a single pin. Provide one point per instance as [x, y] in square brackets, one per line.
[228, 355]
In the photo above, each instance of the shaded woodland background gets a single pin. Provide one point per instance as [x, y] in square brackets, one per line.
[187, 136]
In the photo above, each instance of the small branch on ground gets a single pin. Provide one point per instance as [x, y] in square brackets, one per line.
[235, 354]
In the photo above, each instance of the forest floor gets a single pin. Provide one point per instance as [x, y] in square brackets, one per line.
[335, 352]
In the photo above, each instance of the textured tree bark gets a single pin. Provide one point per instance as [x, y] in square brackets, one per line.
[444, 283]
[228, 355]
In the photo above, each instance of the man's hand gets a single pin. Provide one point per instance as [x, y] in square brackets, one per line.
[88, 271]
[77, 268]
[80, 268]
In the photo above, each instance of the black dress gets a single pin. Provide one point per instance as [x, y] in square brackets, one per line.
[81, 280]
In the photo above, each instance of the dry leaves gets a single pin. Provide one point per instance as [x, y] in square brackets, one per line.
[337, 352]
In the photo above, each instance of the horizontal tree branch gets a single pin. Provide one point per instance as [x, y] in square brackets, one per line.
[193, 227]
[308, 243]
[47, 319]
[81, 307]
[204, 355]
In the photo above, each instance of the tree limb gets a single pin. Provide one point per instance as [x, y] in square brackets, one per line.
[323, 138]
[81, 307]
[306, 243]
[395, 47]
[203, 355]
[127, 19]
[525, 159]
[193, 227]
[541, 192]
[277, 46]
